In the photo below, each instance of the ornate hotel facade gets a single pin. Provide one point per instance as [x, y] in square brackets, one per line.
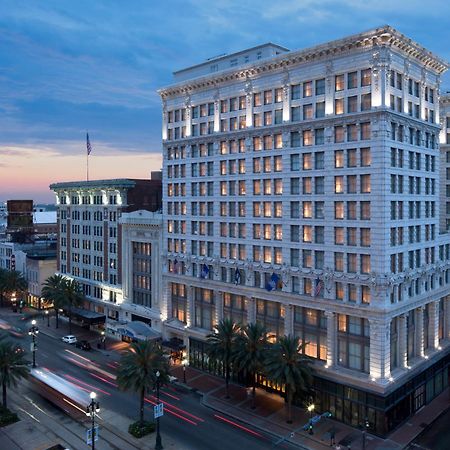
[301, 190]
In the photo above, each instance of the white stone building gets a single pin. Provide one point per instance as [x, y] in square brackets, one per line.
[301, 190]
[90, 236]
[444, 104]
[141, 267]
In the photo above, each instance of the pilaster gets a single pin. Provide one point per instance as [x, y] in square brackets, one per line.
[331, 338]
[380, 349]
[190, 313]
[251, 309]
[420, 341]
[289, 320]
[402, 342]
[218, 305]
[433, 324]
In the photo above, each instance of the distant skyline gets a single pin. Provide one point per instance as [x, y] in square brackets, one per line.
[67, 67]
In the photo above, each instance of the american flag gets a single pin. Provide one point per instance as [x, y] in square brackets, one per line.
[88, 144]
[318, 283]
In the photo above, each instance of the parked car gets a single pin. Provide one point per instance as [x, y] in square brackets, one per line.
[84, 345]
[70, 339]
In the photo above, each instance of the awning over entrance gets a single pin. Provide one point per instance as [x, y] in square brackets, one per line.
[138, 330]
[89, 317]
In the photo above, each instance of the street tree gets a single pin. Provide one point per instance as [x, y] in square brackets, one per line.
[221, 346]
[249, 354]
[285, 365]
[13, 366]
[11, 281]
[137, 370]
[73, 297]
[52, 291]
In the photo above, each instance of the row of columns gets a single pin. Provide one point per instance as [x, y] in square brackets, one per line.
[380, 332]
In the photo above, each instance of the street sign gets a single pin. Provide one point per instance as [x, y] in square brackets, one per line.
[33, 347]
[89, 435]
[158, 410]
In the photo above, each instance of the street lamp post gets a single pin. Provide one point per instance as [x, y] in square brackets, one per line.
[365, 428]
[311, 409]
[158, 445]
[33, 332]
[184, 369]
[91, 410]
[48, 317]
[103, 340]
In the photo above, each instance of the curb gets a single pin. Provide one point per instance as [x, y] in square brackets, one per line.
[258, 427]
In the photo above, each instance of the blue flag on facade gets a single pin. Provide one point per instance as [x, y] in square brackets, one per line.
[273, 283]
[205, 271]
[237, 276]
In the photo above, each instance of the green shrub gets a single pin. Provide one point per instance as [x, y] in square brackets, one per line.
[7, 417]
[139, 429]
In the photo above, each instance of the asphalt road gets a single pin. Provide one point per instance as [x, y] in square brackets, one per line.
[185, 419]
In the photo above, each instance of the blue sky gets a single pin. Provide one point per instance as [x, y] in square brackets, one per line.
[68, 66]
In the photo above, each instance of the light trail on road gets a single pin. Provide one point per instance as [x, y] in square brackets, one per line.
[173, 413]
[69, 377]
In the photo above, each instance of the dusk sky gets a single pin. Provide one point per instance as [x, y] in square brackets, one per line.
[71, 66]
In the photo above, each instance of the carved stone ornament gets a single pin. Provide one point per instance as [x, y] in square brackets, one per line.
[285, 274]
[328, 279]
[187, 101]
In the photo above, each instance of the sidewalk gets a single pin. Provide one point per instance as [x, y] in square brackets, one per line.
[270, 416]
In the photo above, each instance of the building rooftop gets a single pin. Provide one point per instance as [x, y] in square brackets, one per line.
[97, 184]
[380, 36]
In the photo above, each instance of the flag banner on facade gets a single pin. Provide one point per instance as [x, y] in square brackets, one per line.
[88, 144]
[318, 283]
[205, 271]
[237, 276]
[273, 283]
[175, 266]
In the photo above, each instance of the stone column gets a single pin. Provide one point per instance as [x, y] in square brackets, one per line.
[190, 313]
[164, 121]
[433, 324]
[251, 309]
[420, 343]
[380, 349]
[446, 301]
[216, 114]
[331, 338]
[188, 117]
[287, 102]
[402, 342]
[289, 320]
[218, 305]
[249, 109]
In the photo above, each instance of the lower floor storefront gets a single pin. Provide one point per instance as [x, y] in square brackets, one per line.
[379, 414]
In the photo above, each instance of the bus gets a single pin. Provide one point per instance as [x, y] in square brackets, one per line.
[60, 392]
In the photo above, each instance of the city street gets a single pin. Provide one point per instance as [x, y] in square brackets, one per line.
[185, 419]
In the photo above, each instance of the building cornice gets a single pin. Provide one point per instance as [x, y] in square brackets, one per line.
[384, 36]
[96, 184]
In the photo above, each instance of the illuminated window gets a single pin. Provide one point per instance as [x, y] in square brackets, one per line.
[365, 263]
[339, 82]
[339, 185]
[339, 159]
[307, 161]
[339, 134]
[339, 106]
[307, 233]
[307, 210]
[307, 89]
[339, 235]
[339, 262]
[308, 112]
[339, 210]
[365, 184]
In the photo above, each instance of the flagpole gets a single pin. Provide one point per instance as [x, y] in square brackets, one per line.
[87, 155]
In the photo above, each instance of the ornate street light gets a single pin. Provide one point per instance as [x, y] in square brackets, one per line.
[92, 409]
[158, 445]
[33, 332]
[311, 409]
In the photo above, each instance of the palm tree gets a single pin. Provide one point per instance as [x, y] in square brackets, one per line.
[11, 281]
[221, 346]
[249, 354]
[73, 296]
[286, 366]
[52, 291]
[137, 369]
[13, 366]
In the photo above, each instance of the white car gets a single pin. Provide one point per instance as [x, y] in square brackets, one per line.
[70, 339]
